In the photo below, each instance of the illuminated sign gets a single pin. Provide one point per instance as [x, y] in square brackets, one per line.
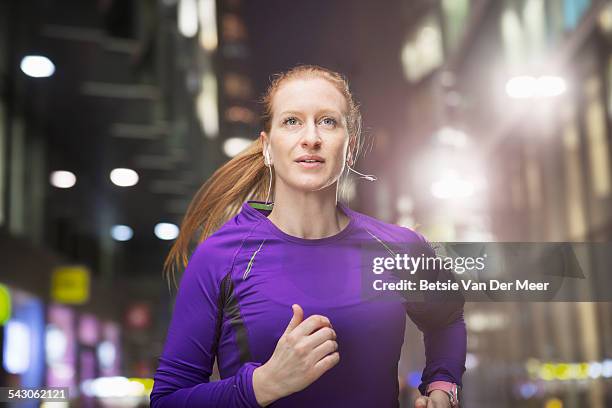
[550, 371]
[5, 304]
[70, 284]
[17, 347]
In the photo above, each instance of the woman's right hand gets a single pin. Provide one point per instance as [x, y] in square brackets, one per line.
[305, 351]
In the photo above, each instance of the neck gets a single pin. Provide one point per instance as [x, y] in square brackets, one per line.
[309, 215]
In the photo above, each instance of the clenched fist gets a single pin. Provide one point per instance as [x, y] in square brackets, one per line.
[305, 351]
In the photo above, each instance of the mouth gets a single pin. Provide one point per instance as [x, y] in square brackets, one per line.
[310, 161]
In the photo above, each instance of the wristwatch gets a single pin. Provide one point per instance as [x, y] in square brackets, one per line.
[451, 389]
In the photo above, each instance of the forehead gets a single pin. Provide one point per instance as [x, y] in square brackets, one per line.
[308, 95]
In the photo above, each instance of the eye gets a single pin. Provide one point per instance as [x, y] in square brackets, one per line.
[290, 121]
[330, 122]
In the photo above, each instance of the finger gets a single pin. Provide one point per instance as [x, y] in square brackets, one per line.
[322, 350]
[326, 363]
[319, 337]
[311, 324]
[296, 319]
[421, 402]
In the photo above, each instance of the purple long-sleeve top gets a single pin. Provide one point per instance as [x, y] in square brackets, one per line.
[234, 303]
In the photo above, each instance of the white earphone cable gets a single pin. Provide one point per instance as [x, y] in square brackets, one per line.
[369, 177]
[269, 185]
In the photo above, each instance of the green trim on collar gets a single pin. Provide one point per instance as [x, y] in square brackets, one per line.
[262, 206]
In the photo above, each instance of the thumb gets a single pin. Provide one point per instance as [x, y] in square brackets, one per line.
[298, 316]
[421, 402]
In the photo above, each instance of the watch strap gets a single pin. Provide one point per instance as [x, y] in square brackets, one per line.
[451, 389]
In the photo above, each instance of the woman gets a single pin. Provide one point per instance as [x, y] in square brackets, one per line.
[274, 292]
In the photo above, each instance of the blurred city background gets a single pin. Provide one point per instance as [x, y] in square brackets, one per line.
[487, 120]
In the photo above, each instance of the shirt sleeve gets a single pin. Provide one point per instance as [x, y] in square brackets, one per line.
[185, 366]
[440, 318]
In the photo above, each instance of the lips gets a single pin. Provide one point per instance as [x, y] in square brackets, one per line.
[310, 161]
[310, 158]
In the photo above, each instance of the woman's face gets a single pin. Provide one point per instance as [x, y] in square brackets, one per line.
[308, 138]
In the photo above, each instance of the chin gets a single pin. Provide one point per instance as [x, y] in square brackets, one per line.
[311, 184]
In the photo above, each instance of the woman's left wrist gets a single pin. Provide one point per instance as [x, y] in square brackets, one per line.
[448, 389]
[440, 399]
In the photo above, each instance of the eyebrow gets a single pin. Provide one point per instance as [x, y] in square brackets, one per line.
[324, 111]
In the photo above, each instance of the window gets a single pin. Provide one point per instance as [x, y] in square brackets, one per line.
[573, 182]
[595, 119]
[512, 36]
[524, 34]
[573, 10]
[456, 13]
[422, 52]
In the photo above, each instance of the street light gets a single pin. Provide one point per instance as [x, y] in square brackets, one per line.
[37, 66]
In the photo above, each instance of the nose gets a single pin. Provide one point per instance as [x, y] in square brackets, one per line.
[311, 138]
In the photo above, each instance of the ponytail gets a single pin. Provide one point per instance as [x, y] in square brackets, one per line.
[220, 198]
